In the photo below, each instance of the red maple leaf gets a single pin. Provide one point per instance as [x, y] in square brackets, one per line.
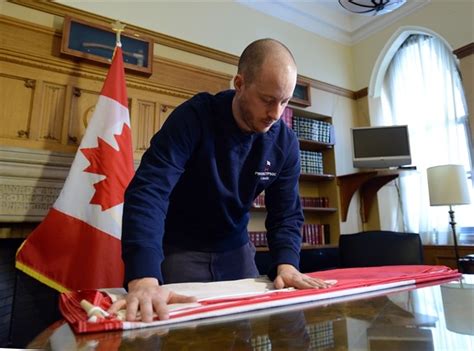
[115, 165]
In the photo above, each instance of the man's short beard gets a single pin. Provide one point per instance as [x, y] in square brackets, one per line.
[245, 116]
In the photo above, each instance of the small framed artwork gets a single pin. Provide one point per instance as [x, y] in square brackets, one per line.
[97, 43]
[301, 94]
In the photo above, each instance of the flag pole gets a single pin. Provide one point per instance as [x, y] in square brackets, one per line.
[118, 27]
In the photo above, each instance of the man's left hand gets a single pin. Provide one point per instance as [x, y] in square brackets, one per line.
[289, 277]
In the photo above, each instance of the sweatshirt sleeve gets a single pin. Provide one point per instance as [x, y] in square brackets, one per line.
[284, 213]
[147, 196]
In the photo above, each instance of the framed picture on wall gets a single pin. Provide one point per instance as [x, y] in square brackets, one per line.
[96, 43]
[301, 94]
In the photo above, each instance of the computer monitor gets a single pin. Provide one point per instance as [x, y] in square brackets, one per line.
[381, 146]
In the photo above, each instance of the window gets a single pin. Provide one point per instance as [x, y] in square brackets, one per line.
[422, 88]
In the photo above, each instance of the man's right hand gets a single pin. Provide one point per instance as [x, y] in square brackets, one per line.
[147, 296]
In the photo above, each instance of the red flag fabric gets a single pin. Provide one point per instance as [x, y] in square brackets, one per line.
[247, 295]
[77, 245]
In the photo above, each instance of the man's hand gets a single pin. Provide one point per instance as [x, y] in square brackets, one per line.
[147, 296]
[289, 277]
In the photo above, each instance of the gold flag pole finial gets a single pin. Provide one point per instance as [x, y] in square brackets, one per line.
[118, 28]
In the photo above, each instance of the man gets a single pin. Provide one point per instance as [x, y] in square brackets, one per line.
[187, 208]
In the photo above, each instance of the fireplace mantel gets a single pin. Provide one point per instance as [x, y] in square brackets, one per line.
[30, 182]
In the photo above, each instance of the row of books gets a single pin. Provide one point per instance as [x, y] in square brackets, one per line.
[305, 201]
[316, 234]
[313, 234]
[311, 162]
[258, 238]
[314, 201]
[259, 201]
[308, 128]
[312, 129]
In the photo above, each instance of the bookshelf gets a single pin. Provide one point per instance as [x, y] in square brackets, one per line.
[314, 183]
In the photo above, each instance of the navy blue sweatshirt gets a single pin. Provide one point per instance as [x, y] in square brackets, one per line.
[196, 183]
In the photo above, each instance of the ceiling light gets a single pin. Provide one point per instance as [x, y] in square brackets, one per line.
[371, 7]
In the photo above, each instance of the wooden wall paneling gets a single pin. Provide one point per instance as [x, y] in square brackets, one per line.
[82, 107]
[35, 125]
[174, 76]
[147, 122]
[16, 94]
[34, 40]
[52, 112]
[63, 92]
[185, 76]
[63, 10]
[133, 113]
[65, 137]
[148, 111]
[44, 101]
[165, 111]
[148, 119]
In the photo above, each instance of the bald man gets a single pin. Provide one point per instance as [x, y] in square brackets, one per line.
[187, 208]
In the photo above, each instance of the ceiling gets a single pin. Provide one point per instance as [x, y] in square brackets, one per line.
[329, 19]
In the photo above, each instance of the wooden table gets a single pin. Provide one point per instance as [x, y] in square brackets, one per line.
[425, 317]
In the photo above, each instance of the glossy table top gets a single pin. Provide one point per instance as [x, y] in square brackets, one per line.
[439, 316]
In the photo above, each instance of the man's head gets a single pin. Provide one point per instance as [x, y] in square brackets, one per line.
[265, 80]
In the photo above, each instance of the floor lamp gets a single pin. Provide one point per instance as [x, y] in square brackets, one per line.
[447, 186]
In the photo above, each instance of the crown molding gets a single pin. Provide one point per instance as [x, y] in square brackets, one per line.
[361, 93]
[61, 10]
[464, 51]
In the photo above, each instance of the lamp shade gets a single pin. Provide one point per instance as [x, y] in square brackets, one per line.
[371, 7]
[447, 185]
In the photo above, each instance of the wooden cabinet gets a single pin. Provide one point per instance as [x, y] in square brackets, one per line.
[321, 185]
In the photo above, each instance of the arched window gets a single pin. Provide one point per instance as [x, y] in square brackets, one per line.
[422, 88]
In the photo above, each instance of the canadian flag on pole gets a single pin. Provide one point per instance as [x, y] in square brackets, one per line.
[77, 246]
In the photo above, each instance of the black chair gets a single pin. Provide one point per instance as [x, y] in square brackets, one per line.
[379, 248]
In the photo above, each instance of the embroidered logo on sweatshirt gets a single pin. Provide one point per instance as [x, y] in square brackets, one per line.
[266, 174]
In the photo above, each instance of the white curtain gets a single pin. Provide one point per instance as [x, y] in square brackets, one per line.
[422, 89]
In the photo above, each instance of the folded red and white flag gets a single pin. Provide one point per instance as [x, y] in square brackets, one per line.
[229, 297]
[77, 245]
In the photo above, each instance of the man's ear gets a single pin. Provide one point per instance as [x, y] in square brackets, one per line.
[238, 82]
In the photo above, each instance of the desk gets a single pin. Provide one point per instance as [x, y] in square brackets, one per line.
[403, 319]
